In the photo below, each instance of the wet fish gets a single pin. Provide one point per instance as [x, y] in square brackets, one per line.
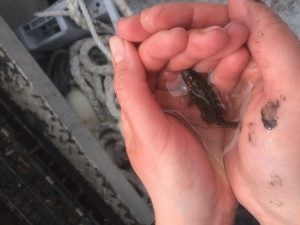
[204, 95]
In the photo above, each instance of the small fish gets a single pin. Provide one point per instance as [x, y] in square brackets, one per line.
[204, 95]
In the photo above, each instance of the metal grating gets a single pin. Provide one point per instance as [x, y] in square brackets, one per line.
[37, 184]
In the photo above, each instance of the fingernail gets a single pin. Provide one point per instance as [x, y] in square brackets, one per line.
[209, 29]
[117, 49]
[232, 24]
[235, 27]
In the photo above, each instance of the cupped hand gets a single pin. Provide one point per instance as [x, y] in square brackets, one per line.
[209, 39]
[166, 154]
[264, 167]
[218, 48]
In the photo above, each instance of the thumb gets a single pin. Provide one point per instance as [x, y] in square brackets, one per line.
[274, 47]
[135, 97]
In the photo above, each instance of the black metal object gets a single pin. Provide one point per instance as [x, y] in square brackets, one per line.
[37, 184]
[243, 217]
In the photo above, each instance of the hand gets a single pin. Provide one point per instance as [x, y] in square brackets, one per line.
[264, 168]
[165, 153]
[168, 158]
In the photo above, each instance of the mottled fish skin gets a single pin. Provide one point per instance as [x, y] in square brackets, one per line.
[205, 97]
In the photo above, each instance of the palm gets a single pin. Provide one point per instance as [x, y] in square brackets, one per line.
[256, 166]
[263, 167]
[181, 107]
[182, 153]
[181, 159]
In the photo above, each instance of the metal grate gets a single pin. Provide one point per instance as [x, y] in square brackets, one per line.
[37, 184]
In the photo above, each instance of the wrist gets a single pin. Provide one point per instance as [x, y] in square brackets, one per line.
[185, 216]
[213, 208]
[277, 219]
[200, 220]
[222, 218]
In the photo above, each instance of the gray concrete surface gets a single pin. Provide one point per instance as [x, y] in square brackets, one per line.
[289, 10]
[17, 12]
[29, 87]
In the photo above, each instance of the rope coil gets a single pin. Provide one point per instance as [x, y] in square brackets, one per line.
[94, 78]
[78, 11]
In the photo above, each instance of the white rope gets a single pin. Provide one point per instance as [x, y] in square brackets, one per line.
[94, 80]
[78, 11]
[92, 29]
[123, 7]
[88, 64]
[51, 13]
[73, 7]
[110, 99]
[80, 81]
[110, 137]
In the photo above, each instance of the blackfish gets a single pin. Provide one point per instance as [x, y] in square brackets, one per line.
[205, 96]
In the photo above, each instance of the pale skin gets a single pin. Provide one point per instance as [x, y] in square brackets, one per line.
[263, 169]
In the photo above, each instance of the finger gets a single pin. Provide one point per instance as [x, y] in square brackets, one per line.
[206, 66]
[238, 35]
[228, 71]
[187, 15]
[275, 49]
[130, 28]
[210, 44]
[169, 15]
[133, 92]
[157, 50]
[202, 44]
